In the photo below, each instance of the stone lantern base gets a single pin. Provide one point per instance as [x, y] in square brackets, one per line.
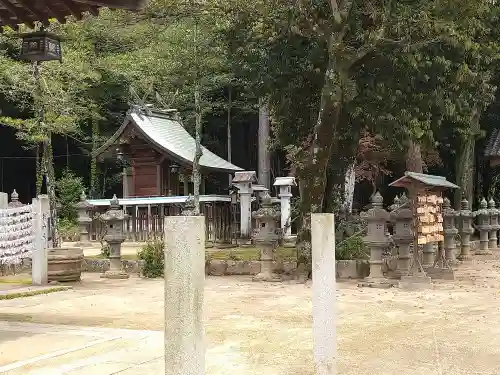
[115, 274]
[266, 277]
[415, 282]
[289, 242]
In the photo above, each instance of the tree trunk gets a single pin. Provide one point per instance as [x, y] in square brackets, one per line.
[48, 161]
[313, 172]
[349, 185]
[198, 153]
[94, 182]
[414, 162]
[264, 154]
[229, 138]
[465, 171]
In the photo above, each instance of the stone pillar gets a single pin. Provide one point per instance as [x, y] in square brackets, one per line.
[450, 231]
[493, 240]
[184, 289]
[376, 239]
[402, 216]
[4, 200]
[114, 218]
[323, 293]
[466, 230]
[285, 194]
[428, 254]
[243, 181]
[483, 224]
[84, 220]
[266, 238]
[39, 258]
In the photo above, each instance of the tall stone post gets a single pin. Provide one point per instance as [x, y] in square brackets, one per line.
[323, 293]
[483, 224]
[84, 220]
[243, 181]
[495, 226]
[466, 230]
[114, 218]
[402, 216]
[285, 194]
[266, 238]
[428, 254]
[376, 239]
[39, 258]
[184, 288]
[450, 231]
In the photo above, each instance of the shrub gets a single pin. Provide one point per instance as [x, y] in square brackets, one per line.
[68, 230]
[352, 248]
[105, 250]
[69, 188]
[154, 258]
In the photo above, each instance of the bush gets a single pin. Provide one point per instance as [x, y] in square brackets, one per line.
[352, 248]
[105, 250]
[68, 230]
[69, 188]
[154, 259]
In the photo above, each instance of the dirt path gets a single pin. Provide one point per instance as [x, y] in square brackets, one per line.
[265, 329]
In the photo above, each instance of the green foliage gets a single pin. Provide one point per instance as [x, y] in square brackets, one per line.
[105, 250]
[154, 258]
[68, 229]
[351, 248]
[69, 188]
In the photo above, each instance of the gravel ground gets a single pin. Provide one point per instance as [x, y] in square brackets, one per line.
[265, 329]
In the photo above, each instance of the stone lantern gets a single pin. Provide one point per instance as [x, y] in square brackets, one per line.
[14, 200]
[266, 237]
[403, 232]
[244, 181]
[450, 230]
[483, 224]
[83, 208]
[114, 237]
[466, 230]
[285, 194]
[495, 225]
[376, 239]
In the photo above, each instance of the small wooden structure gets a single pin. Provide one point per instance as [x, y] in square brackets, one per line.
[492, 150]
[18, 12]
[160, 153]
[426, 200]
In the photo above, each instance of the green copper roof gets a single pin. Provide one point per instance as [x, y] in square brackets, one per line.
[170, 137]
[426, 179]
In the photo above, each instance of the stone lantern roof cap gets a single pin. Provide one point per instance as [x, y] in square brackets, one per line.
[245, 176]
[285, 181]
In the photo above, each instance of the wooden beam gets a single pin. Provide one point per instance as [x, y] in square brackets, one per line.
[116, 4]
[21, 18]
[70, 6]
[42, 17]
[53, 12]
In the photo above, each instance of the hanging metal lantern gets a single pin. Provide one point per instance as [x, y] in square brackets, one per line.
[41, 46]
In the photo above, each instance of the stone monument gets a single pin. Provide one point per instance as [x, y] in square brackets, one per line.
[466, 230]
[377, 241]
[244, 181]
[450, 231]
[495, 226]
[402, 216]
[114, 218]
[483, 218]
[285, 194]
[84, 220]
[266, 238]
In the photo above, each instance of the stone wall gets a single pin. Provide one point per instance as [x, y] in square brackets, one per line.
[346, 269]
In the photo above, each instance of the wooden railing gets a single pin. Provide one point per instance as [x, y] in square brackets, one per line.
[140, 226]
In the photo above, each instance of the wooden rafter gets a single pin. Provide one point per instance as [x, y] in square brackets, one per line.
[16, 12]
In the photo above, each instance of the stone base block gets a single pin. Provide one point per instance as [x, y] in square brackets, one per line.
[378, 283]
[245, 243]
[84, 244]
[482, 252]
[223, 245]
[440, 273]
[267, 278]
[290, 242]
[115, 275]
[415, 282]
